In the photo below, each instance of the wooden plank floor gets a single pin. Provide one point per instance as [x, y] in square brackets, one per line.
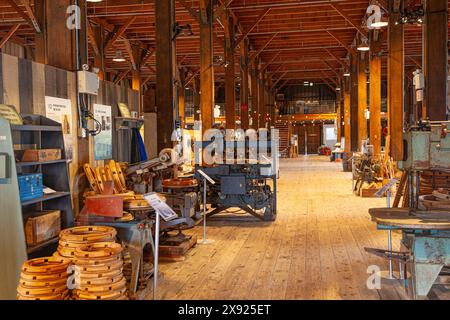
[315, 249]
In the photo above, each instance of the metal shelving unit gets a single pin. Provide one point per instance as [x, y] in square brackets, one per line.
[44, 133]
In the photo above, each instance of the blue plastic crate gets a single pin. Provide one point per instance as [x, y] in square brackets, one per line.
[31, 186]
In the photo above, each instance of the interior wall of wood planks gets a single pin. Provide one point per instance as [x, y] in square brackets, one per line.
[24, 84]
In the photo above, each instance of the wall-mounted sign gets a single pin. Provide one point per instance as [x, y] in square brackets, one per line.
[103, 141]
[60, 110]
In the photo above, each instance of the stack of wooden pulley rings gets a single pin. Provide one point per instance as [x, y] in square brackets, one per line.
[44, 279]
[73, 238]
[99, 268]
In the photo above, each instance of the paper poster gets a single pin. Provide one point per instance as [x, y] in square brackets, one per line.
[103, 141]
[60, 110]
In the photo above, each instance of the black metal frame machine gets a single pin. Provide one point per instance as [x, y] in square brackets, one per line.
[242, 186]
[243, 183]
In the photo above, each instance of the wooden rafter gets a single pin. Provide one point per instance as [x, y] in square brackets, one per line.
[221, 10]
[344, 15]
[9, 35]
[258, 20]
[351, 50]
[269, 62]
[92, 39]
[343, 63]
[120, 32]
[279, 79]
[257, 53]
[122, 76]
[27, 14]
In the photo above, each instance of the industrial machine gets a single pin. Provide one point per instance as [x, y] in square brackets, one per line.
[426, 234]
[243, 183]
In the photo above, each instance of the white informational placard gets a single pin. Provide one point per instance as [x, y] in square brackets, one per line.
[386, 188]
[161, 208]
[103, 141]
[60, 110]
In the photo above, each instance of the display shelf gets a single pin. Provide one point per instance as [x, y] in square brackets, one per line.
[33, 249]
[46, 198]
[35, 128]
[31, 164]
[44, 133]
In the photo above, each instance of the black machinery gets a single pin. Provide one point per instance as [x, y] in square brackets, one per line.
[243, 181]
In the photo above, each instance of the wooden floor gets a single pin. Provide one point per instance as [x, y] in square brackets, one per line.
[315, 249]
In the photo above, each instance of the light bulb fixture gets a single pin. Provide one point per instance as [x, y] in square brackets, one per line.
[346, 74]
[363, 46]
[311, 84]
[338, 89]
[94, 0]
[119, 57]
[380, 24]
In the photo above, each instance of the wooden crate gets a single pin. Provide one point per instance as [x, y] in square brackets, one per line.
[41, 155]
[42, 226]
[176, 253]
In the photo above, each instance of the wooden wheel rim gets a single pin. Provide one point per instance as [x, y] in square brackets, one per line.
[87, 233]
[98, 250]
[47, 265]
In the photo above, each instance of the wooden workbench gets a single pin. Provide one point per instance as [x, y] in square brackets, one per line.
[404, 218]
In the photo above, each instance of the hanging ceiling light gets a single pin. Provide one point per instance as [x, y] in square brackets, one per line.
[338, 89]
[119, 57]
[346, 74]
[363, 46]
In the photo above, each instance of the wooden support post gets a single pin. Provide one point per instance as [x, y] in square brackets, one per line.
[56, 45]
[206, 64]
[436, 59]
[197, 110]
[99, 56]
[261, 99]
[362, 97]
[396, 92]
[230, 84]
[339, 116]
[354, 108]
[181, 97]
[375, 91]
[254, 95]
[244, 85]
[347, 116]
[165, 71]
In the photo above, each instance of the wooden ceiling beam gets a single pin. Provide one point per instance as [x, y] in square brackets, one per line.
[250, 29]
[344, 63]
[92, 39]
[27, 14]
[257, 53]
[9, 35]
[347, 18]
[351, 50]
[122, 76]
[120, 33]
[269, 62]
[278, 80]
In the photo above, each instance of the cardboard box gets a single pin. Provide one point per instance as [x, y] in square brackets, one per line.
[42, 226]
[42, 155]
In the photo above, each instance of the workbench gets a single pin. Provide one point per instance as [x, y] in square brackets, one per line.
[426, 236]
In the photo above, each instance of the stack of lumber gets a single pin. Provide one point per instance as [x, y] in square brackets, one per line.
[73, 238]
[439, 200]
[44, 279]
[99, 267]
